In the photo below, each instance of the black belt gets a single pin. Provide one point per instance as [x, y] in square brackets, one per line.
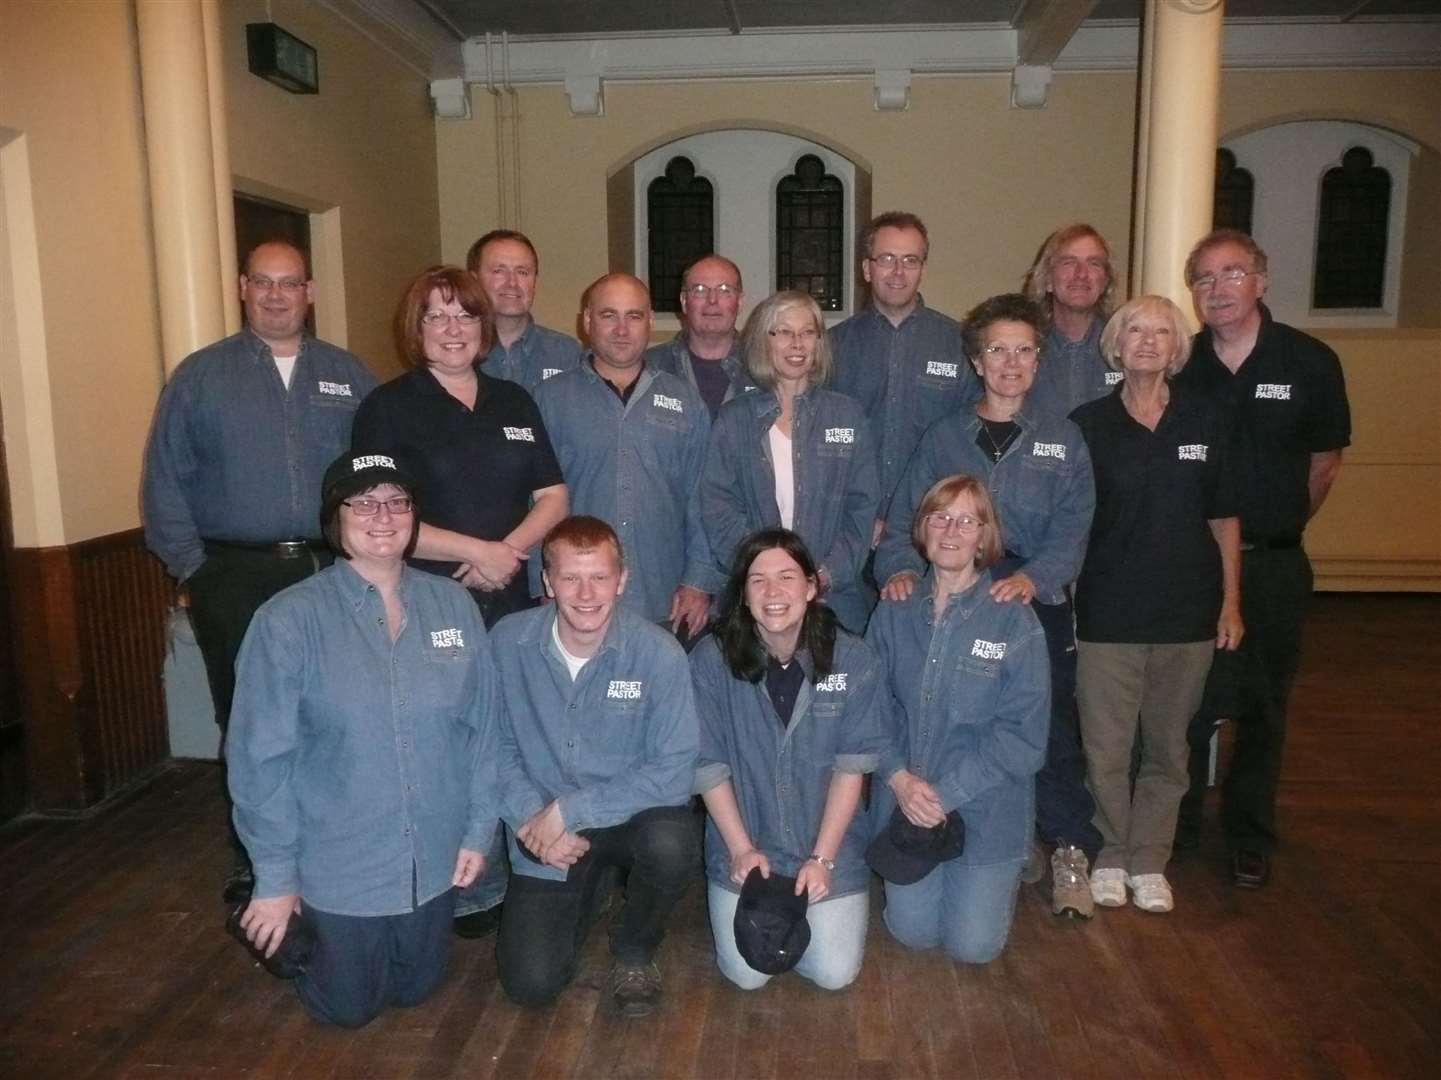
[280, 549]
[1269, 543]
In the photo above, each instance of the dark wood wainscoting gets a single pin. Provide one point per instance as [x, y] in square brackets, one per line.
[90, 627]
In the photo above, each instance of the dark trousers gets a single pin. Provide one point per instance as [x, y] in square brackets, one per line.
[362, 964]
[1251, 688]
[1064, 807]
[225, 593]
[546, 922]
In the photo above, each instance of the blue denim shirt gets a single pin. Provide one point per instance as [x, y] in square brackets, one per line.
[1042, 488]
[353, 760]
[638, 466]
[972, 707]
[905, 377]
[782, 775]
[673, 356]
[618, 739]
[1071, 373]
[233, 455]
[537, 355]
[836, 493]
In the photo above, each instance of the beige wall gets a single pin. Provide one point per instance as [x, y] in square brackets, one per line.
[69, 84]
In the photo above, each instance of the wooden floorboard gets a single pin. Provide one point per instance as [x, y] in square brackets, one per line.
[114, 961]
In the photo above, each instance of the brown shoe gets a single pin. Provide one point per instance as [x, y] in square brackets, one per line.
[635, 987]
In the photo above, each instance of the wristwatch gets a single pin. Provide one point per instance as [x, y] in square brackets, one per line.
[829, 864]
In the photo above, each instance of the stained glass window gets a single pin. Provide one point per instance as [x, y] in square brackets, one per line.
[681, 218]
[1351, 233]
[1235, 194]
[810, 233]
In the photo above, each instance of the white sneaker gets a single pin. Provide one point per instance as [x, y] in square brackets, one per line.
[1151, 892]
[1108, 886]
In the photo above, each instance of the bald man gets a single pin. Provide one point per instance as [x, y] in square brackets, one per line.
[631, 440]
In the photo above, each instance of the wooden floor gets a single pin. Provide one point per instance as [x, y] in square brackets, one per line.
[114, 963]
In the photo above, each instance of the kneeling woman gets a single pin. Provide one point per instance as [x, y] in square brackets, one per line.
[790, 710]
[361, 755]
[971, 680]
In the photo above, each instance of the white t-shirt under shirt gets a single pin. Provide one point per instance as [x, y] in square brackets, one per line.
[573, 662]
[286, 366]
[783, 465]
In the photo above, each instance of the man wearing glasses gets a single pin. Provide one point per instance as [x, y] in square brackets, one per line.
[243, 433]
[705, 353]
[1286, 399]
[506, 265]
[900, 359]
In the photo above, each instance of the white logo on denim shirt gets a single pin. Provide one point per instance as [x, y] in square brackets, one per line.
[1049, 449]
[1113, 377]
[1191, 452]
[661, 401]
[335, 389]
[371, 461]
[840, 434]
[447, 639]
[1271, 391]
[624, 690]
[940, 367]
[547, 372]
[988, 650]
[832, 684]
[519, 434]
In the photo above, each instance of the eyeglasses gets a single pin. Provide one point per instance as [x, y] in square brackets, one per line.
[723, 291]
[805, 336]
[1020, 352]
[264, 284]
[1207, 282]
[443, 318]
[396, 504]
[944, 522]
[888, 260]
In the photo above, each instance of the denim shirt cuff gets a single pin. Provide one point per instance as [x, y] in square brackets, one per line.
[856, 763]
[276, 879]
[952, 797]
[709, 775]
[576, 811]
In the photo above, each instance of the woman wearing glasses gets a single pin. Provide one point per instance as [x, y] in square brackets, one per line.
[361, 755]
[1037, 468]
[484, 471]
[794, 455]
[1159, 593]
[971, 688]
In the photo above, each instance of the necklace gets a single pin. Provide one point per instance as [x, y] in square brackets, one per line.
[998, 449]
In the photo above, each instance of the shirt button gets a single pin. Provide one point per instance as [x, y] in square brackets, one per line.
[571, 706]
[569, 742]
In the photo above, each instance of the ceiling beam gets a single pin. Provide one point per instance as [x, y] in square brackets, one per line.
[1044, 28]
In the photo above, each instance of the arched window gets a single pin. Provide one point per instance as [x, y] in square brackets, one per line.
[1235, 193]
[810, 233]
[680, 210]
[1351, 233]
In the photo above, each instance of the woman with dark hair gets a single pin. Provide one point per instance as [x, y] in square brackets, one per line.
[1038, 470]
[791, 721]
[971, 688]
[484, 471]
[795, 455]
[362, 807]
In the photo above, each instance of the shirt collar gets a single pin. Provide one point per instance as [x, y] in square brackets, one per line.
[261, 351]
[353, 588]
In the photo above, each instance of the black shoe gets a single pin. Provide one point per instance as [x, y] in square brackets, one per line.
[296, 948]
[239, 884]
[1250, 869]
[635, 987]
[477, 924]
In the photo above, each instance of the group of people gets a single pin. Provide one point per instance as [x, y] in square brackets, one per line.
[950, 600]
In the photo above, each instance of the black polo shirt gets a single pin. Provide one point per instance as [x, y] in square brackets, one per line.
[474, 470]
[1286, 401]
[1152, 573]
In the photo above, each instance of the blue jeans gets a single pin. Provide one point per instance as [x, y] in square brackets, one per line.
[967, 909]
[364, 963]
[488, 890]
[833, 958]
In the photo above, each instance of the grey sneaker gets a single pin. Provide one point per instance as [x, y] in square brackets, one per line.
[1035, 867]
[1070, 887]
[635, 987]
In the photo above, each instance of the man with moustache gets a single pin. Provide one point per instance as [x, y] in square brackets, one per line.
[1285, 396]
[1074, 283]
[599, 736]
[901, 360]
[631, 441]
[506, 265]
[706, 351]
[242, 436]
